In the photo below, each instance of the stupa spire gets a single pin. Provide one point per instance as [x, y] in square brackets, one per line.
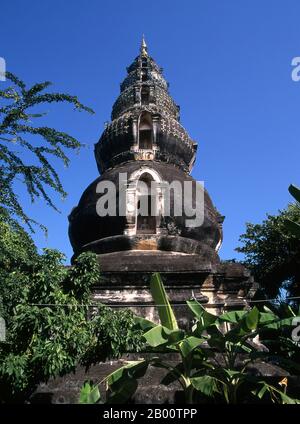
[143, 48]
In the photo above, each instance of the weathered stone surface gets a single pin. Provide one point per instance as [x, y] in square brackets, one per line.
[126, 278]
[66, 389]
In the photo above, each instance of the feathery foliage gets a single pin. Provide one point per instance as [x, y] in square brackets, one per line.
[17, 114]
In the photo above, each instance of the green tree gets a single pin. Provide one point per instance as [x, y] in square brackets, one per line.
[51, 326]
[272, 252]
[19, 108]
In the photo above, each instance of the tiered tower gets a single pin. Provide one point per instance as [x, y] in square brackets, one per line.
[145, 143]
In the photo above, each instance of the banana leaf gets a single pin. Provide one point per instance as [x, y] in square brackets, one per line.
[295, 192]
[166, 314]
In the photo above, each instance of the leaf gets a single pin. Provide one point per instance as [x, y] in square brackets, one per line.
[293, 227]
[189, 344]
[233, 316]
[266, 318]
[89, 393]
[196, 308]
[268, 310]
[248, 322]
[205, 318]
[251, 318]
[166, 314]
[260, 392]
[134, 369]
[123, 393]
[244, 327]
[216, 339]
[143, 323]
[173, 375]
[288, 311]
[295, 192]
[285, 399]
[173, 336]
[156, 336]
[206, 384]
[122, 383]
[277, 324]
[288, 400]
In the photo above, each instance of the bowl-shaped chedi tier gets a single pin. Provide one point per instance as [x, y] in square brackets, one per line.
[89, 231]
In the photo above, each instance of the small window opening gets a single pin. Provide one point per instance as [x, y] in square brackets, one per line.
[146, 224]
[145, 94]
[145, 131]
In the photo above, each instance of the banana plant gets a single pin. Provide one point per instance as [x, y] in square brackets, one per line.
[209, 368]
[234, 350]
[281, 342]
[163, 337]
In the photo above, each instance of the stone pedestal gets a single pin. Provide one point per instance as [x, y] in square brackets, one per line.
[125, 278]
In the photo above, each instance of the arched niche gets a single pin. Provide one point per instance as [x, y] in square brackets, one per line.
[144, 202]
[146, 208]
[145, 94]
[145, 131]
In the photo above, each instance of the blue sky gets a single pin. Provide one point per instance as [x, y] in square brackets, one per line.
[229, 68]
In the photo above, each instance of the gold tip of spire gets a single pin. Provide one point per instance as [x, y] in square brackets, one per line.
[143, 49]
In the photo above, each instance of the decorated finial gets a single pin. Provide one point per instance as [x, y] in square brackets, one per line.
[143, 49]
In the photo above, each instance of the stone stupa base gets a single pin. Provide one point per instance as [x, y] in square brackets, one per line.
[125, 278]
